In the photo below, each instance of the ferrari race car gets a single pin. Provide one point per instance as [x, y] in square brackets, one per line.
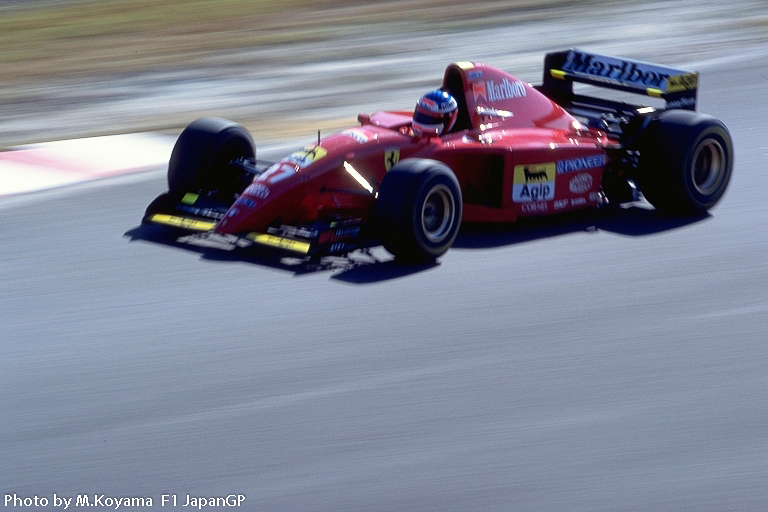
[510, 150]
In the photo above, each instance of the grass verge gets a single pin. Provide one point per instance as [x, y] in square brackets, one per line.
[42, 40]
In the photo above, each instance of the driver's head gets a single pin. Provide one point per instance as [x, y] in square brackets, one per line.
[435, 113]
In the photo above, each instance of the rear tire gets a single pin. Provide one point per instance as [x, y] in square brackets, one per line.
[686, 162]
[418, 210]
[200, 161]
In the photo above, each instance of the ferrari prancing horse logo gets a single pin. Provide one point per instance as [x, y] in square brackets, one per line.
[391, 157]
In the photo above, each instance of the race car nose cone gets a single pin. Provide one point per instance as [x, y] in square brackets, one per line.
[248, 212]
[236, 219]
[225, 225]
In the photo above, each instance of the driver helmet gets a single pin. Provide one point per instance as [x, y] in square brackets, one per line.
[435, 112]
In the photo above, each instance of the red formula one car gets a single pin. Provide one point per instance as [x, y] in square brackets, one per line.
[486, 147]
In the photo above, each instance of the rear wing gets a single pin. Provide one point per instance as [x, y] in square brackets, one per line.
[676, 87]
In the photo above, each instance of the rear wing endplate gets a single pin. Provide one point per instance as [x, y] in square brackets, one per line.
[561, 69]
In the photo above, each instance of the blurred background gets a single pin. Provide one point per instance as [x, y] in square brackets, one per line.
[74, 68]
[606, 362]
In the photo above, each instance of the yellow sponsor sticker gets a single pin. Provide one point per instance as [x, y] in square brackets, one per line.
[307, 156]
[189, 198]
[685, 82]
[557, 73]
[182, 222]
[652, 91]
[279, 242]
[530, 173]
[534, 182]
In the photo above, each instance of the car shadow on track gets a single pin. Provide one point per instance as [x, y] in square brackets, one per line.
[635, 219]
[373, 264]
[368, 265]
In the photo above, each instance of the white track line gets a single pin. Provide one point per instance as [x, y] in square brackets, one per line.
[36, 167]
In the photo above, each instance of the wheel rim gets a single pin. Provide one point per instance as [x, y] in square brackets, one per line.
[437, 214]
[708, 167]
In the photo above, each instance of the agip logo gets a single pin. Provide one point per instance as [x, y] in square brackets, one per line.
[534, 182]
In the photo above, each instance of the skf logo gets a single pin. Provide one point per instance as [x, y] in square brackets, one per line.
[534, 182]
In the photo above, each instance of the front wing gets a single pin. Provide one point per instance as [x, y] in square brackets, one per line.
[195, 214]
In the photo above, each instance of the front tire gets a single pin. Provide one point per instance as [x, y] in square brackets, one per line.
[686, 162]
[202, 156]
[418, 210]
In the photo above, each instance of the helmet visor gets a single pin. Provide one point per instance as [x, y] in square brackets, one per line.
[425, 117]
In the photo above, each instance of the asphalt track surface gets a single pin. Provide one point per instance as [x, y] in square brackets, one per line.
[594, 363]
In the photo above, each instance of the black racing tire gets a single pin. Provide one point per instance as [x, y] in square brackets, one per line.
[418, 210]
[686, 160]
[202, 156]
